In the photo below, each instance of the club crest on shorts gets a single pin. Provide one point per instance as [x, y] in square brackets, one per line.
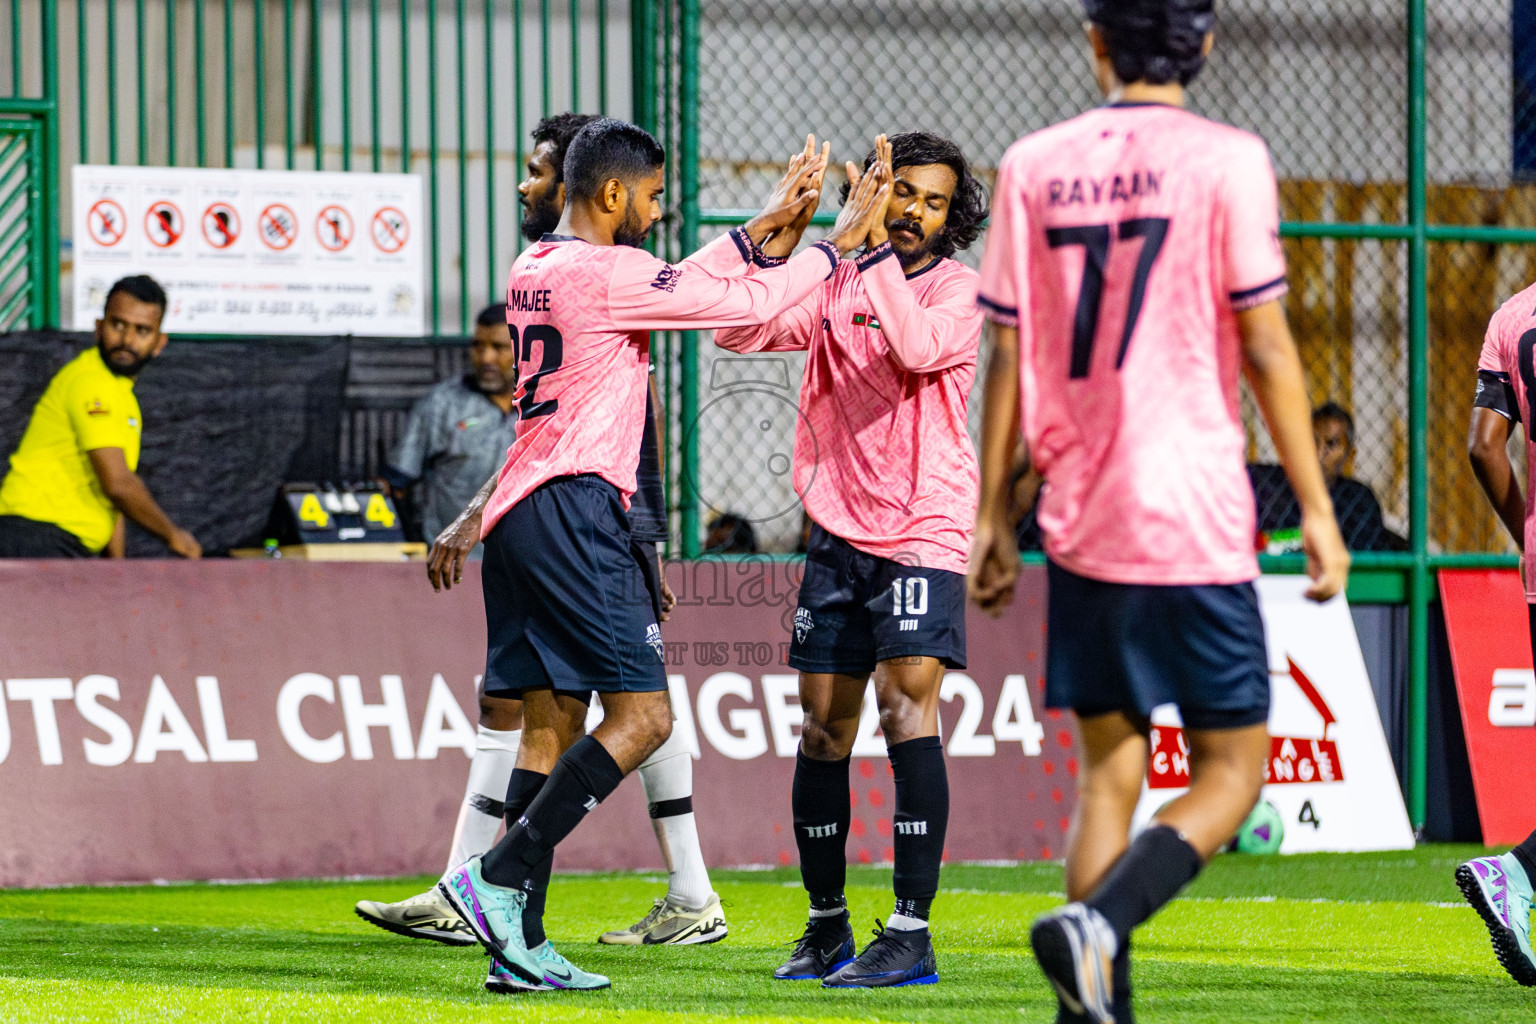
[803, 625]
[653, 637]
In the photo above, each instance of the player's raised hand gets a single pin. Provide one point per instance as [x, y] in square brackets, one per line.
[793, 194]
[994, 567]
[445, 562]
[882, 164]
[1327, 557]
[783, 241]
[868, 195]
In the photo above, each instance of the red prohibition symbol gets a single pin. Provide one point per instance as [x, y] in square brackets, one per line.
[390, 230]
[163, 224]
[221, 225]
[106, 222]
[334, 228]
[278, 227]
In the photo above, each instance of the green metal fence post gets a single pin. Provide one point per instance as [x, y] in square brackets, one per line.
[1421, 582]
[317, 73]
[346, 85]
[490, 150]
[462, 127]
[202, 86]
[642, 62]
[82, 69]
[435, 283]
[170, 83]
[49, 293]
[141, 97]
[688, 155]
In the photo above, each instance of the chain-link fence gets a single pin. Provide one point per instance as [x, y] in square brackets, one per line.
[1327, 85]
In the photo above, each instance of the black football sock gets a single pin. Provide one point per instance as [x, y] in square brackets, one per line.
[822, 807]
[582, 779]
[1148, 875]
[922, 815]
[521, 790]
[1525, 853]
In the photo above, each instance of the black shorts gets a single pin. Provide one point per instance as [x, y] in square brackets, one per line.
[28, 538]
[1132, 647]
[567, 602]
[857, 609]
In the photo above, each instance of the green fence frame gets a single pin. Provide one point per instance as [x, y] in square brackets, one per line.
[32, 121]
[665, 35]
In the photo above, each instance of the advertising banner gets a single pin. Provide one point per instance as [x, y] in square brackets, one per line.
[255, 252]
[281, 720]
[1488, 627]
[1329, 772]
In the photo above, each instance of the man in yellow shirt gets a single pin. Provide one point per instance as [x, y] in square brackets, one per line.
[74, 470]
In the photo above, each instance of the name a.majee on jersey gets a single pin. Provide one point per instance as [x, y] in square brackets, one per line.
[535, 300]
[1118, 188]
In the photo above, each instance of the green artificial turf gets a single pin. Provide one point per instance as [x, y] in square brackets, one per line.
[1356, 938]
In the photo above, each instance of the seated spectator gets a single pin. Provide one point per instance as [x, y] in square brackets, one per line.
[1354, 504]
[730, 533]
[458, 434]
[76, 467]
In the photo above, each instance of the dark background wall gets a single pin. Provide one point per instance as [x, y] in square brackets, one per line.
[227, 422]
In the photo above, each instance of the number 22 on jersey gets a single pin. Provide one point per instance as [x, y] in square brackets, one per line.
[1096, 240]
[553, 351]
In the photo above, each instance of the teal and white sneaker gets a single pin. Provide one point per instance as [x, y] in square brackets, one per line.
[495, 914]
[1498, 889]
[559, 973]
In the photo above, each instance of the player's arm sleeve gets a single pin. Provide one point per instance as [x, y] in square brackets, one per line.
[99, 419]
[999, 294]
[1253, 257]
[409, 459]
[646, 293]
[922, 338]
[1494, 388]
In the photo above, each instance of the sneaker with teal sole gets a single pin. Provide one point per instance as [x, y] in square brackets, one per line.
[495, 914]
[559, 973]
[1500, 891]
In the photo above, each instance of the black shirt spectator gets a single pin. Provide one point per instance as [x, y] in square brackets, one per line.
[1354, 503]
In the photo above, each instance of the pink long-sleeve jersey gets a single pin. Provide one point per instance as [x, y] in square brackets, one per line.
[580, 317]
[883, 459]
[1123, 244]
[1506, 375]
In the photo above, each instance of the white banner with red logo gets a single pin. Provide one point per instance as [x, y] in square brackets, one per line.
[1329, 771]
[255, 252]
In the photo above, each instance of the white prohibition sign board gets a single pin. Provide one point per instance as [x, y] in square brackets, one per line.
[231, 265]
[1313, 645]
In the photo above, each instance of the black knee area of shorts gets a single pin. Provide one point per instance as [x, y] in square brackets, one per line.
[921, 819]
[522, 787]
[671, 808]
[823, 808]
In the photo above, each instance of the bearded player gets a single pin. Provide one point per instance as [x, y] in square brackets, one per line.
[567, 608]
[1133, 267]
[1500, 887]
[886, 470]
[690, 912]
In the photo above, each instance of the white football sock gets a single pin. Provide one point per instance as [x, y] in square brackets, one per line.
[668, 780]
[489, 774]
[903, 923]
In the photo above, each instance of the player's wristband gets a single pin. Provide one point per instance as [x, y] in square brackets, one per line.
[753, 253]
[879, 253]
[832, 254]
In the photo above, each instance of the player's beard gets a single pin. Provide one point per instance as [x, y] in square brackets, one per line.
[540, 216]
[124, 362]
[919, 253]
[633, 231]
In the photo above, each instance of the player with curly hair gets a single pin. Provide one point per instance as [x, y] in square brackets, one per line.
[887, 472]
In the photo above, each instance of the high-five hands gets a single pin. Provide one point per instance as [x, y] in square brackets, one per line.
[795, 197]
[783, 241]
[877, 232]
[868, 195]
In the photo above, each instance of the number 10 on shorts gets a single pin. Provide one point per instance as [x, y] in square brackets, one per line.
[910, 595]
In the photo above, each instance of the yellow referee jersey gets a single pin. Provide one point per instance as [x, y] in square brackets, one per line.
[51, 480]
